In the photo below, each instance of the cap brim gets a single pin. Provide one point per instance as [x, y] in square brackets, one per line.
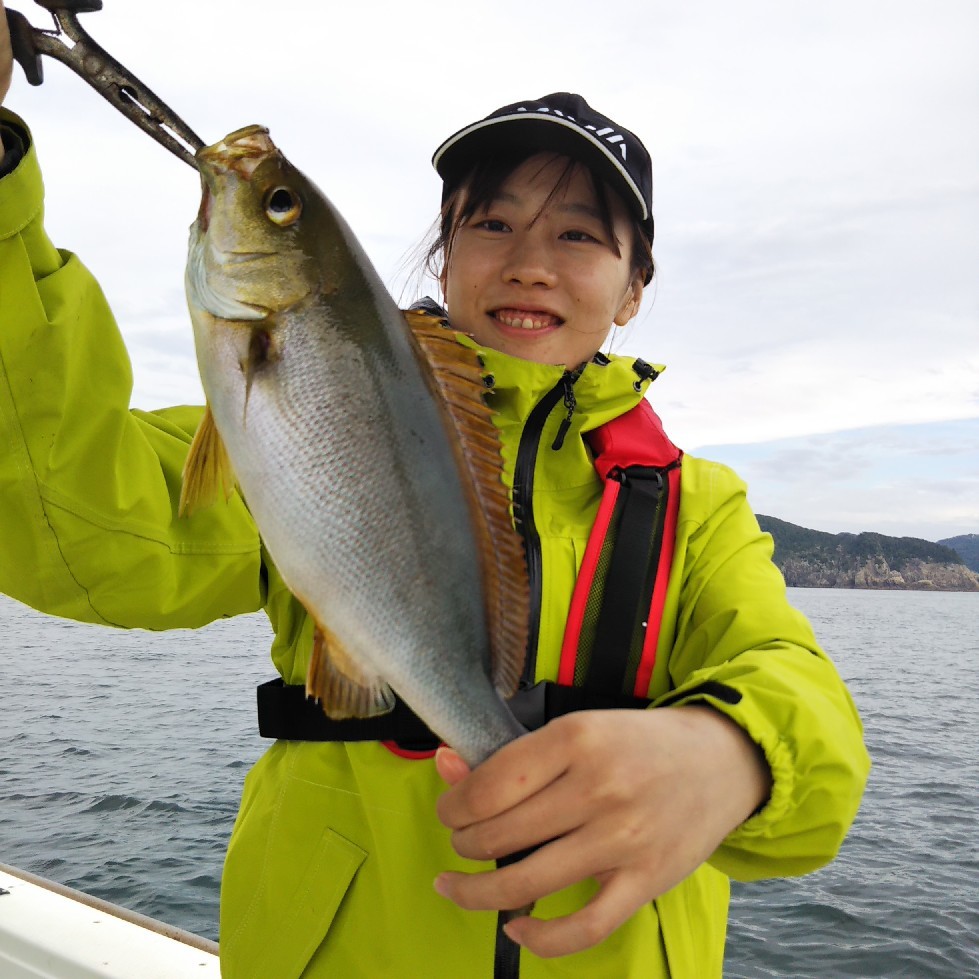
[547, 133]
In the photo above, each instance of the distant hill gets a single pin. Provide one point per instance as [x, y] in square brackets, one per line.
[967, 548]
[814, 559]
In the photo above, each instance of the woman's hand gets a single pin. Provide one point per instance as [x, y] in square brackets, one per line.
[6, 58]
[636, 799]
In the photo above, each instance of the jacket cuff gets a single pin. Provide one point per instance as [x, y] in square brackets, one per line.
[14, 140]
[21, 189]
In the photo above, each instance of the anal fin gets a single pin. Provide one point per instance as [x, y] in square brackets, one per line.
[340, 686]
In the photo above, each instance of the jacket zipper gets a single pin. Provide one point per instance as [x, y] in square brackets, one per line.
[523, 507]
[506, 960]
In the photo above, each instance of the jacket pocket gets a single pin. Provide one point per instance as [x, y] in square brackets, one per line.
[285, 877]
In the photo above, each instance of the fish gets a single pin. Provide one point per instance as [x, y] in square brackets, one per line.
[361, 441]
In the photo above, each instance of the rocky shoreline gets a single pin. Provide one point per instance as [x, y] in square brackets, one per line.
[814, 559]
[877, 573]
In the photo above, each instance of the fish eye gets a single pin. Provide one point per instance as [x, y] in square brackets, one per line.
[283, 206]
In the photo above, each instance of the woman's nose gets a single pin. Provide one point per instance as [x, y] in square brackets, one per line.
[529, 263]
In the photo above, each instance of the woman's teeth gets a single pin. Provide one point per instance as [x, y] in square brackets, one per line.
[526, 321]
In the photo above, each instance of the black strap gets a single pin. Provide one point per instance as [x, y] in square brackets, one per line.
[506, 956]
[628, 586]
[284, 712]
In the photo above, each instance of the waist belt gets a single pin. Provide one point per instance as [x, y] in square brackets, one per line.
[285, 713]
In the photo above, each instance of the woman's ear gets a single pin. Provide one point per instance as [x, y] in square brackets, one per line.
[630, 303]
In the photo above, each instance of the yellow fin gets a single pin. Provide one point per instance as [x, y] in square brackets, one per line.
[457, 374]
[207, 470]
[340, 686]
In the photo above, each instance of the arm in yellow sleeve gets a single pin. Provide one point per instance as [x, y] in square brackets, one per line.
[744, 650]
[88, 488]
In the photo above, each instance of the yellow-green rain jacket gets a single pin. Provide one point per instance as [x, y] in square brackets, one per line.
[330, 866]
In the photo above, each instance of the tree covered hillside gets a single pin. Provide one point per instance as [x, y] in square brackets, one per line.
[967, 548]
[815, 559]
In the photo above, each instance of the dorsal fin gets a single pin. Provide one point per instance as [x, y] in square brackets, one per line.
[457, 374]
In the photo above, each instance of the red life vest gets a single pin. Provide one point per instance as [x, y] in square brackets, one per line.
[617, 604]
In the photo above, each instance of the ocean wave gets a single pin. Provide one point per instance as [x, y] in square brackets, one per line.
[113, 803]
[163, 805]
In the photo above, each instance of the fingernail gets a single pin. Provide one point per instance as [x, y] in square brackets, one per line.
[509, 930]
[449, 765]
[441, 885]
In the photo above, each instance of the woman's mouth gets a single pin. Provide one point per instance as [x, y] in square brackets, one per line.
[525, 319]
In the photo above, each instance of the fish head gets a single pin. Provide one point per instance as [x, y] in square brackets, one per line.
[253, 247]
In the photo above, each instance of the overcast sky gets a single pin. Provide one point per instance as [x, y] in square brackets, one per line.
[816, 192]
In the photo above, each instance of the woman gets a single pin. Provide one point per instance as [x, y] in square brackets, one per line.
[634, 818]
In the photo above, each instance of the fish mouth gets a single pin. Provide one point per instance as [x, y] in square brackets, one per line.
[206, 295]
[241, 151]
[526, 319]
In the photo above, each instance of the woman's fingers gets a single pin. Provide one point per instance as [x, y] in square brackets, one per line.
[451, 768]
[516, 885]
[544, 816]
[620, 895]
[516, 772]
[586, 785]
[576, 856]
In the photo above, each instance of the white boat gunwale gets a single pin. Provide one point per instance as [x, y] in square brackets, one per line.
[48, 929]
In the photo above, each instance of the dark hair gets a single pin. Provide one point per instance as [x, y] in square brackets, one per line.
[465, 192]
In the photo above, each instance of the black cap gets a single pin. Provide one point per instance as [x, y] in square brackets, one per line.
[562, 123]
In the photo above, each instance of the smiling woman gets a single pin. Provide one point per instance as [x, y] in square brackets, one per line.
[620, 824]
[543, 265]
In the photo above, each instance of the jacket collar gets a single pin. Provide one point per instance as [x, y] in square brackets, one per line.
[605, 388]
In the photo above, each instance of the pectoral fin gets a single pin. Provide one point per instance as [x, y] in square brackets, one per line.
[342, 688]
[207, 470]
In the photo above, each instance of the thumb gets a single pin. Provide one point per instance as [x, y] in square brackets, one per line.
[450, 766]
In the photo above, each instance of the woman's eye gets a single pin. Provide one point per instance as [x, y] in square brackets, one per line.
[578, 236]
[492, 224]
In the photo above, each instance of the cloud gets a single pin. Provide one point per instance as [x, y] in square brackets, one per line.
[815, 168]
[912, 480]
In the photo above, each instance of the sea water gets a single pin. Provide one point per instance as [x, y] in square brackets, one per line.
[122, 756]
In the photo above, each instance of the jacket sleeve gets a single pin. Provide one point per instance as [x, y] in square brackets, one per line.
[88, 488]
[743, 649]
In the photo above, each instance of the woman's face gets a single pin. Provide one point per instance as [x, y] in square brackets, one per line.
[542, 283]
